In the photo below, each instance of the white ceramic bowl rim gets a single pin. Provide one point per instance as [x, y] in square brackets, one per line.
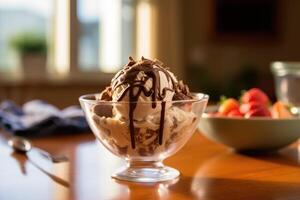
[250, 119]
[197, 97]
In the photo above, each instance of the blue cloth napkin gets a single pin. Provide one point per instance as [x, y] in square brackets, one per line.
[38, 118]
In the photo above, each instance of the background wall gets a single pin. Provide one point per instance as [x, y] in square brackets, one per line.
[206, 57]
[185, 41]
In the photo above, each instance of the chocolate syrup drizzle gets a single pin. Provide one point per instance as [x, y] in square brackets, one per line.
[128, 76]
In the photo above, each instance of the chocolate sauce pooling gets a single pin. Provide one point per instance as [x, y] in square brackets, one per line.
[128, 77]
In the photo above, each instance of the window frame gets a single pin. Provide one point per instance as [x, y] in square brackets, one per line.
[74, 36]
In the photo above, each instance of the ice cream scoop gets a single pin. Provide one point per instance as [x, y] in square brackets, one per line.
[142, 81]
[148, 80]
[139, 83]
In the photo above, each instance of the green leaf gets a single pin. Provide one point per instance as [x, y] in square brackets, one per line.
[29, 42]
[223, 98]
[242, 94]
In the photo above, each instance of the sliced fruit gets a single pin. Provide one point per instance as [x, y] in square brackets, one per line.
[280, 111]
[252, 105]
[228, 105]
[235, 113]
[258, 112]
[255, 95]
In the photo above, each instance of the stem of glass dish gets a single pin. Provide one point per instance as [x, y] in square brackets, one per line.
[144, 164]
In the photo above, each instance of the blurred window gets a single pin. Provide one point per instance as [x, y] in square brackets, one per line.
[103, 32]
[106, 30]
[18, 17]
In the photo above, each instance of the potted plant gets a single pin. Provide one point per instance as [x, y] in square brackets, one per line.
[32, 50]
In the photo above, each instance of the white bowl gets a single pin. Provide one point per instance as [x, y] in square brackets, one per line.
[258, 134]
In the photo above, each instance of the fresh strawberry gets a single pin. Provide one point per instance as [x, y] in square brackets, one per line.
[256, 95]
[252, 105]
[280, 110]
[258, 112]
[228, 105]
[235, 113]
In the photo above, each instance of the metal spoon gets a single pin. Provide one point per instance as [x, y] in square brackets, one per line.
[23, 145]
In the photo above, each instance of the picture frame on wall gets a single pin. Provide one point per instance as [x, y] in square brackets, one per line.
[245, 20]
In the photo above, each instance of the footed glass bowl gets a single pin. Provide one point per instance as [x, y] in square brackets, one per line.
[144, 133]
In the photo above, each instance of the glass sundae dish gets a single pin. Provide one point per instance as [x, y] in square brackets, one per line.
[144, 116]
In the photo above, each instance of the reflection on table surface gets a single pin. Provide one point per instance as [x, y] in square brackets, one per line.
[208, 171]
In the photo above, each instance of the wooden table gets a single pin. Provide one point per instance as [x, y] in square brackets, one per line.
[209, 171]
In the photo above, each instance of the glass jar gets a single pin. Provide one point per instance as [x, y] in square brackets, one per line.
[287, 83]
